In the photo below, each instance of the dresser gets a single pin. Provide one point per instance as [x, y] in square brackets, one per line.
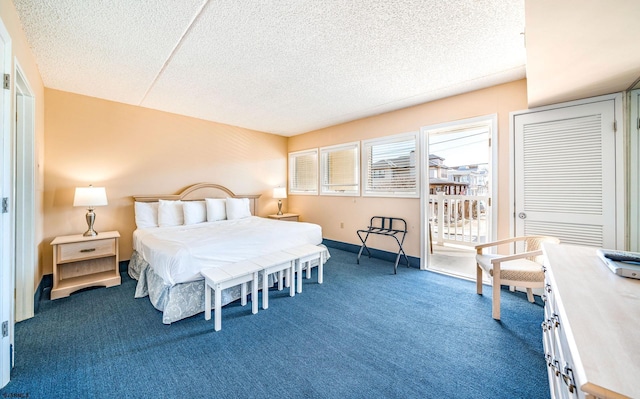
[591, 327]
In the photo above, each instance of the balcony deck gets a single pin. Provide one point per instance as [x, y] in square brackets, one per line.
[457, 261]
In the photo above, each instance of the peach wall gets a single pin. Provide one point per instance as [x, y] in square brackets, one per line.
[133, 150]
[354, 212]
[21, 53]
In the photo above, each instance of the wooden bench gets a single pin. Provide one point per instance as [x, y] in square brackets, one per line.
[290, 261]
[222, 277]
[277, 262]
[305, 254]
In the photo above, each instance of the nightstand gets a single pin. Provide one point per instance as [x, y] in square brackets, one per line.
[289, 217]
[80, 262]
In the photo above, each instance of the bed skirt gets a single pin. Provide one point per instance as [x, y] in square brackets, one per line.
[176, 302]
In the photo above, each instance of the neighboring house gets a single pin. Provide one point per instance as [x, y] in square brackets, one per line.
[475, 177]
[398, 172]
[463, 180]
[437, 168]
[442, 178]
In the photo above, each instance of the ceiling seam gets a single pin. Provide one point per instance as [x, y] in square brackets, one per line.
[174, 50]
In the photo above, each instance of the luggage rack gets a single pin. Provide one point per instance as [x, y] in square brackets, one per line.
[386, 226]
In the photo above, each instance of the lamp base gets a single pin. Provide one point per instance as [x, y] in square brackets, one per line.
[91, 218]
[279, 207]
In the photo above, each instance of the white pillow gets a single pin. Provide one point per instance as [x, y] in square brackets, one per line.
[194, 212]
[216, 209]
[238, 208]
[146, 214]
[170, 213]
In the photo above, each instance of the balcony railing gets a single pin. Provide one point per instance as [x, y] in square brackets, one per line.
[459, 219]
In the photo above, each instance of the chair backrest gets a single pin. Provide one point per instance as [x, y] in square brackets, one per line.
[534, 243]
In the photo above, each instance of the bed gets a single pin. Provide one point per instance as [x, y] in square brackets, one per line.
[206, 225]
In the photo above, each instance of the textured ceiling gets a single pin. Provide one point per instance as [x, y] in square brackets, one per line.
[283, 67]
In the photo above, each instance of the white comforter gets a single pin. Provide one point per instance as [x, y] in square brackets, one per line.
[177, 254]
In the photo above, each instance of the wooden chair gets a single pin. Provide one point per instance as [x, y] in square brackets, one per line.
[516, 270]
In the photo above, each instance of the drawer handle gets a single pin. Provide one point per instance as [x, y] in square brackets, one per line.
[88, 250]
[556, 367]
[567, 377]
[555, 319]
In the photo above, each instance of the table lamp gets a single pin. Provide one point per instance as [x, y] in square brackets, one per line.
[279, 193]
[90, 197]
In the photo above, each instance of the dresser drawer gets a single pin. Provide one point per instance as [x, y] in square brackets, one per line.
[85, 250]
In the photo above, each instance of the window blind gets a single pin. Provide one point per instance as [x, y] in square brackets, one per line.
[303, 172]
[390, 166]
[339, 169]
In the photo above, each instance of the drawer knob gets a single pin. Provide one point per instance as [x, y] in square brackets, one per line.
[88, 250]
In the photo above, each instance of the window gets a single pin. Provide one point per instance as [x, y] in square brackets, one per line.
[303, 172]
[389, 166]
[339, 169]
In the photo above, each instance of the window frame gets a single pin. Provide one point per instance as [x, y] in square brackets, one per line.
[324, 189]
[292, 164]
[366, 190]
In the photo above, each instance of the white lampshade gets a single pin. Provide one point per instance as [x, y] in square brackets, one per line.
[90, 196]
[279, 192]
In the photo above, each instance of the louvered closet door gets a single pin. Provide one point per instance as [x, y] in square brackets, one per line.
[565, 174]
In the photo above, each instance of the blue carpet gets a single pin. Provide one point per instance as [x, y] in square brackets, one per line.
[364, 333]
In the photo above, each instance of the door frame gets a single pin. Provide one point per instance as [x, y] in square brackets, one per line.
[634, 170]
[24, 194]
[425, 254]
[620, 162]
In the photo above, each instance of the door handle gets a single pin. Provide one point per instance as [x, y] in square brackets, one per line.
[522, 215]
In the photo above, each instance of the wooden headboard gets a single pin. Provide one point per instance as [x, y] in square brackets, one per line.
[201, 191]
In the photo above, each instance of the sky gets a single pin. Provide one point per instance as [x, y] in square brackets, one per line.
[461, 148]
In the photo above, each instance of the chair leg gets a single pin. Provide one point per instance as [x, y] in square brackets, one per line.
[495, 308]
[478, 279]
[530, 295]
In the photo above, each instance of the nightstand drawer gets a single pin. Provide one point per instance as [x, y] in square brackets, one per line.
[86, 250]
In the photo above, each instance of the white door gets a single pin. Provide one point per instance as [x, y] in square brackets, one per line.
[565, 173]
[458, 151]
[6, 268]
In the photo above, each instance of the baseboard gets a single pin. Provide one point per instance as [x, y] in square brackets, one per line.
[375, 253]
[43, 292]
[124, 266]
